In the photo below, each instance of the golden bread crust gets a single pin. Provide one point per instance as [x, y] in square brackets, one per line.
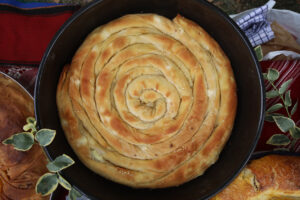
[270, 177]
[148, 102]
[19, 171]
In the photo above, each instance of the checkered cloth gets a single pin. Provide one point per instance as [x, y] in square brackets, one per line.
[255, 25]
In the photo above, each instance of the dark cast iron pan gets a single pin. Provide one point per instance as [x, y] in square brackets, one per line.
[247, 72]
[260, 154]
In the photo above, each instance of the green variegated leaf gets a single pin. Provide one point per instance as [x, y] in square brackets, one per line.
[274, 108]
[277, 114]
[271, 94]
[269, 118]
[281, 149]
[295, 132]
[287, 99]
[45, 136]
[30, 120]
[60, 163]
[284, 86]
[8, 141]
[46, 184]
[273, 74]
[294, 109]
[74, 194]
[278, 140]
[284, 123]
[21, 141]
[63, 182]
[29, 127]
[265, 76]
[259, 53]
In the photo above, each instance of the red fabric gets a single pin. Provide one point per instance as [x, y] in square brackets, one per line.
[24, 37]
[288, 70]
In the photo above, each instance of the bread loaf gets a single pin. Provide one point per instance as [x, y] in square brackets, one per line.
[273, 177]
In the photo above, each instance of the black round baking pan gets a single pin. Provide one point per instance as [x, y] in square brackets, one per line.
[260, 154]
[250, 111]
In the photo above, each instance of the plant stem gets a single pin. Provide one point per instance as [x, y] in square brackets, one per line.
[281, 97]
[293, 144]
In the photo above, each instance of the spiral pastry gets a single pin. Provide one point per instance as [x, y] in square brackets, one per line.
[148, 102]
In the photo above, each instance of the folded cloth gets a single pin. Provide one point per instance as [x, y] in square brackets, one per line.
[255, 25]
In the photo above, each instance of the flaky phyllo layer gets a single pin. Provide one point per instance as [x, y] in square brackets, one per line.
[148, 102]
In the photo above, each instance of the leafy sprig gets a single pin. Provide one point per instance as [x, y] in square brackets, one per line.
[284, 122]
[259, 53]
[48, 182]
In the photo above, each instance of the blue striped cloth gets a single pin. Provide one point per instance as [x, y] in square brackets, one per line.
[29, 5]
[255, 25]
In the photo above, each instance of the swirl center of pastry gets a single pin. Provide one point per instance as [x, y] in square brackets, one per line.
[151, 97]
[151, 106]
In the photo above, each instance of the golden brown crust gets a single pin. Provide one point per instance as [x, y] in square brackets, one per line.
[148, 102]
[270, 177]
[19, 171]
